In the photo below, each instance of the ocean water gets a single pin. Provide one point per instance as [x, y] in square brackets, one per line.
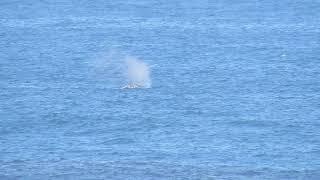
[235, 89]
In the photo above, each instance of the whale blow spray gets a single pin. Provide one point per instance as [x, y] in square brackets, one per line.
[138, 72]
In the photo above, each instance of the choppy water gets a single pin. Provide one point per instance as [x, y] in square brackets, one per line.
[235, 90]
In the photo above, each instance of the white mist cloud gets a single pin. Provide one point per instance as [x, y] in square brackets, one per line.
[138, 72]
[114, 70]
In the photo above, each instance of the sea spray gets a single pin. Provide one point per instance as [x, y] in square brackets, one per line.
[138, 72]
[115, 69]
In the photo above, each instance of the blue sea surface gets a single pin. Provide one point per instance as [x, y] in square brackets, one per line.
[235, 89]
